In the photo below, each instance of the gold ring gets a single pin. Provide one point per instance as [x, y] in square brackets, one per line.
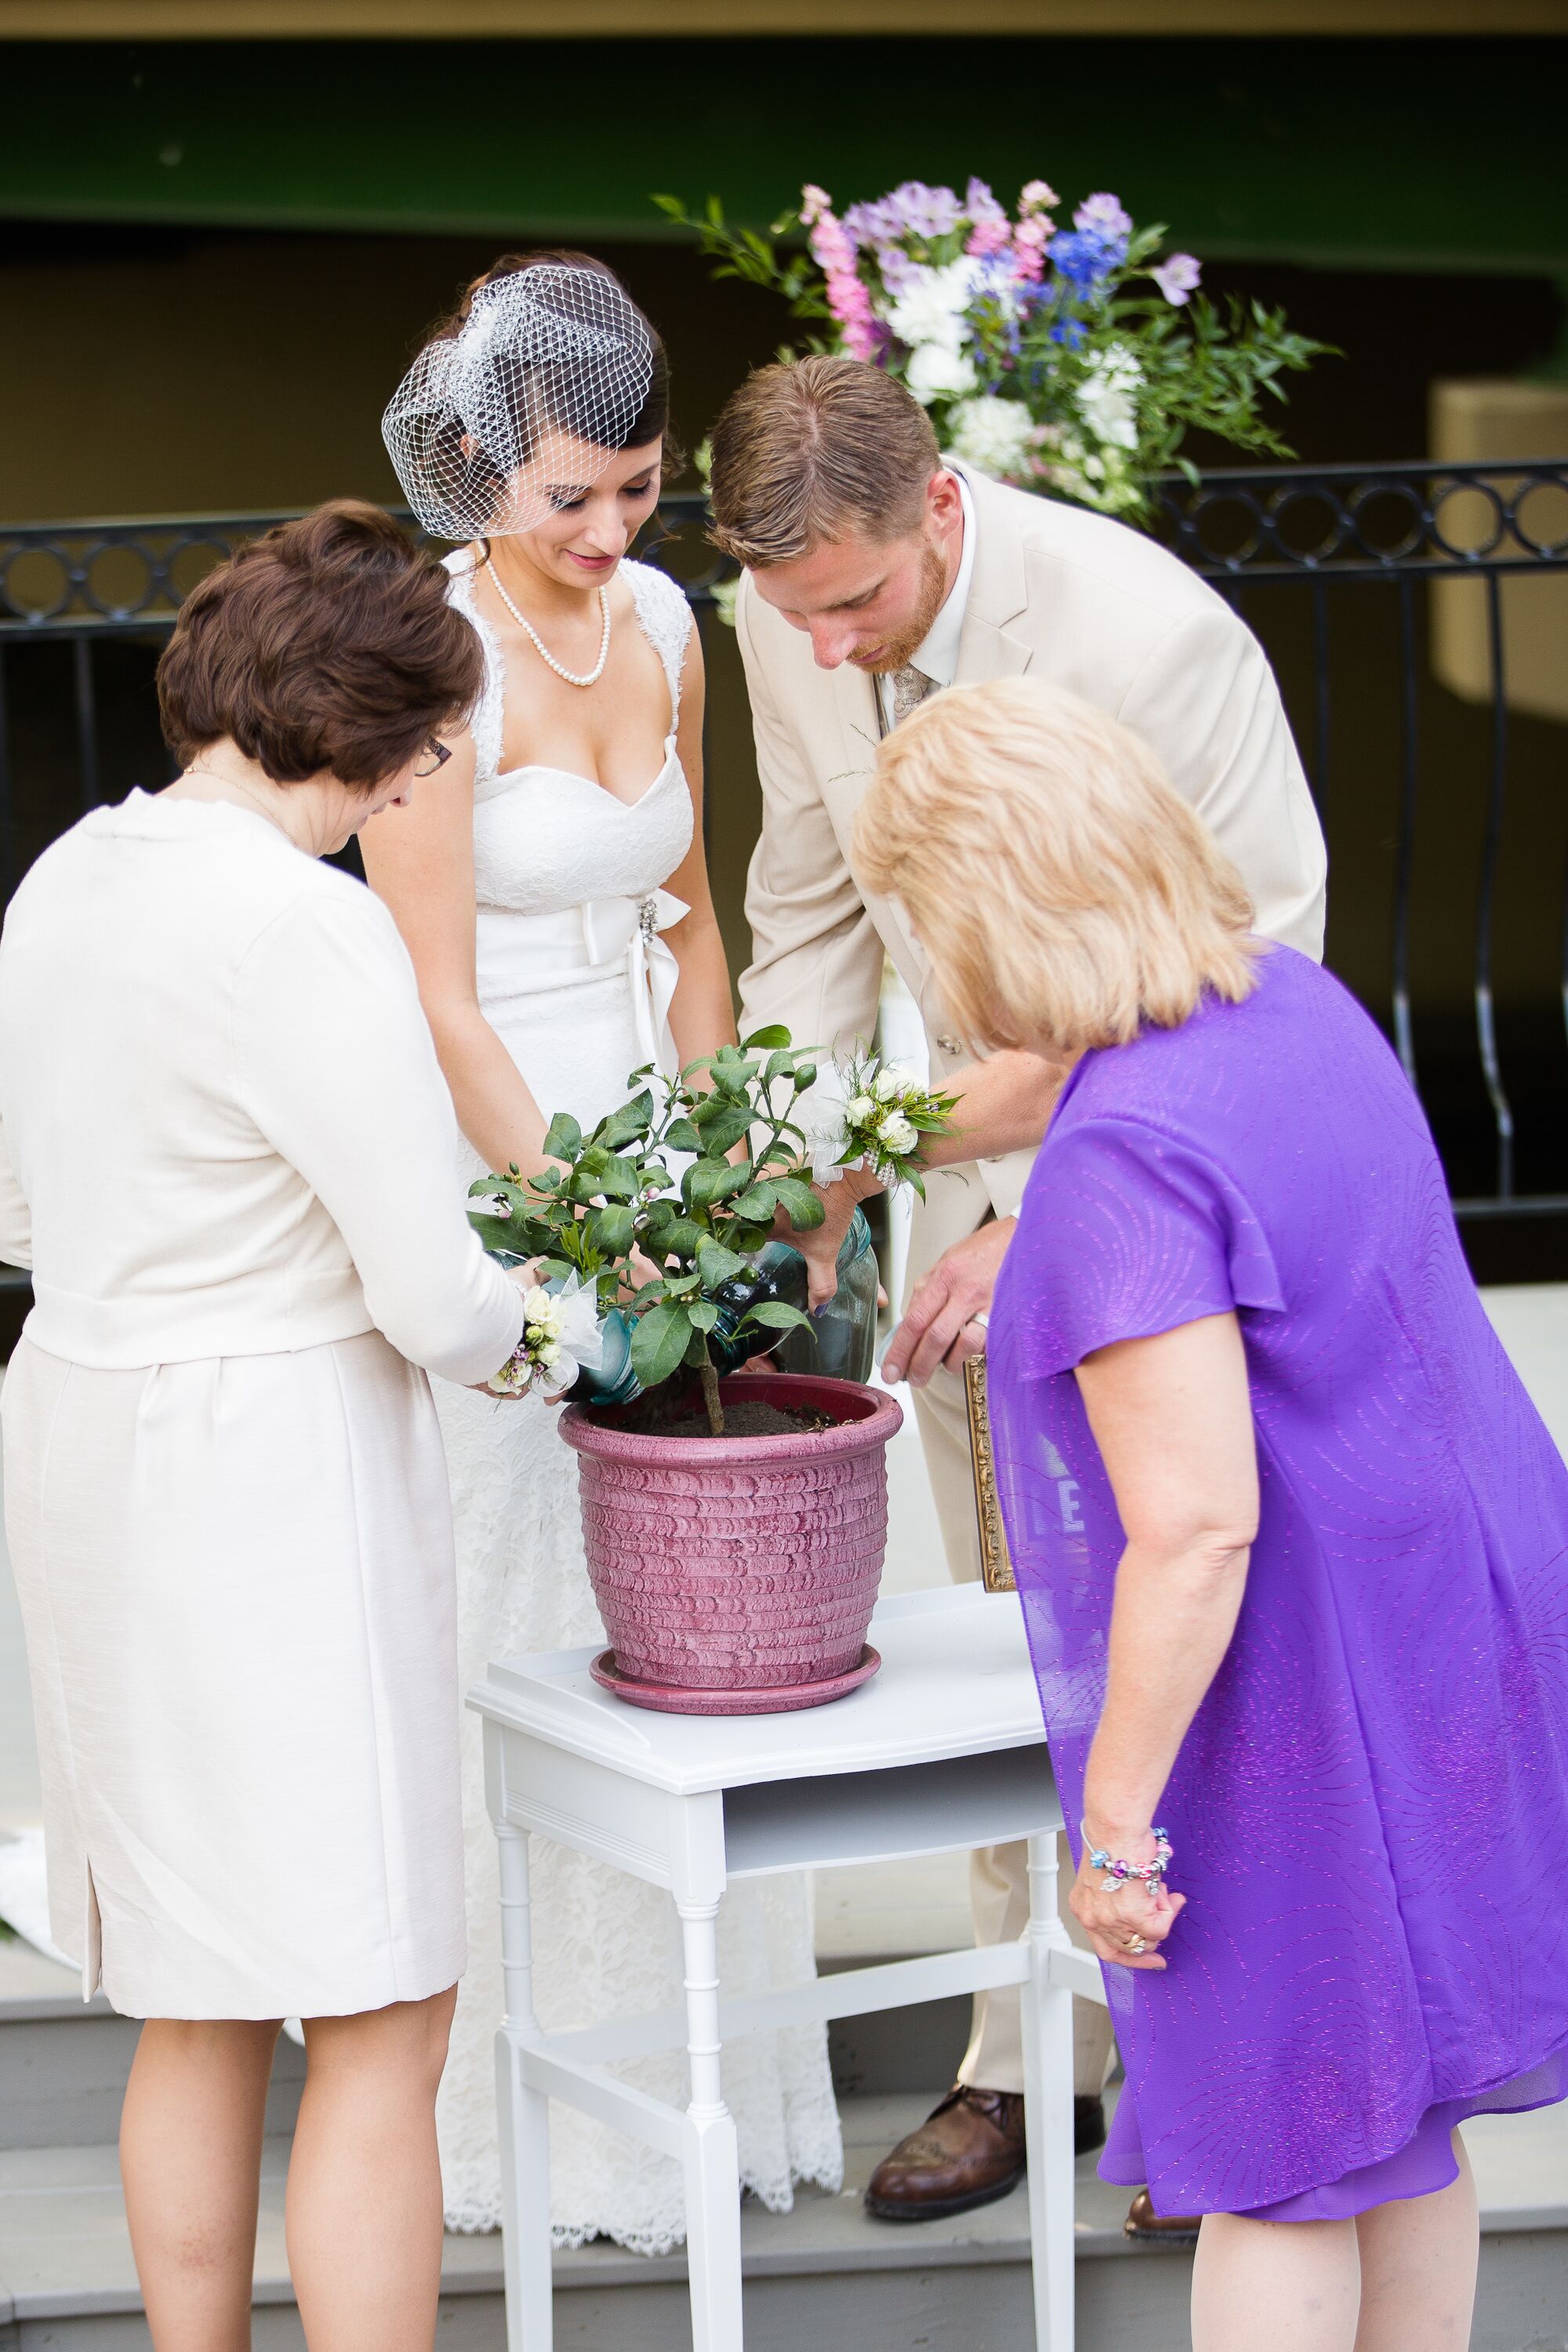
[1137, 1945]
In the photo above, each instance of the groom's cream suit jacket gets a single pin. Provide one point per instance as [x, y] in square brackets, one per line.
[1056, 593]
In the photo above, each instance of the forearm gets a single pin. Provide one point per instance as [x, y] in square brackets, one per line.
[1003, 1104]
[495, 1108]
[1171, 1620]
[703, 1011]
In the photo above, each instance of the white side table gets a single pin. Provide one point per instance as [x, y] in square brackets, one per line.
[943, 1748]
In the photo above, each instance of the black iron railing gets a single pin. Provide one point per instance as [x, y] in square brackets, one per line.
[1334, 567]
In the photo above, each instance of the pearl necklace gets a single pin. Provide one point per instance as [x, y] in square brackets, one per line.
[543, 650]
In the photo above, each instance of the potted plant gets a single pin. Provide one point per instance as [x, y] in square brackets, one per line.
[735, 1520]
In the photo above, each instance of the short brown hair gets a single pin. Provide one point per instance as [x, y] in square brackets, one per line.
[1066, 893]
[816, 449]
[327, 644]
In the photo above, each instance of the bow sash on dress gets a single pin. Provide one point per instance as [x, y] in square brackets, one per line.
[520, 955]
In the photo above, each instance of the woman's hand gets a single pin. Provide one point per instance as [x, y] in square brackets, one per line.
[526, 1278]
[1117, 1916]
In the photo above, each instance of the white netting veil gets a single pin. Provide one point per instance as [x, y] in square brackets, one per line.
[530, 399]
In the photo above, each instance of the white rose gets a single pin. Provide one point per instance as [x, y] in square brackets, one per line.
[858, 1110]
[888, 1084]
[991, 434]
[932, 304]
[535, 1305]
[899, 1135]
[934, 372]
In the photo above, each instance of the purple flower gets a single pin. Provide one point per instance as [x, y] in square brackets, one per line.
[912, 210]
[897, 268]
[1086, 258]
[1105, 213]
[1177, 278]
[980, 205]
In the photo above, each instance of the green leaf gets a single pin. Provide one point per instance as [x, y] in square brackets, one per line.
[630, 1124]
[805, 1205]
[564, 1137]
[673, 1236]
[696, 1348]
[759, 1203]
[612, 1230]
[681, 1136]
[659, 1340]
[716, 1264]
[729, 1127]
[776, 1316]
[775, 1034]
[618, 1180]
[703, 1313]
[703, 1182]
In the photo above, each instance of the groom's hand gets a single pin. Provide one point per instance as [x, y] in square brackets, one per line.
[821, 1244]
[939, 1327]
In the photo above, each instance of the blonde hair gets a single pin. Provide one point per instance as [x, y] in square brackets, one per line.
[1065, 893]
[816, 449]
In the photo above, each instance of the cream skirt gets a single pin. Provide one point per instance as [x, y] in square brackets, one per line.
[236, 1579]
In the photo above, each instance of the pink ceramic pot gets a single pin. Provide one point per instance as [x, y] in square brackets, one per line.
[743, 1564]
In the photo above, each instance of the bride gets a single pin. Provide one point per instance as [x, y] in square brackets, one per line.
[551, 888]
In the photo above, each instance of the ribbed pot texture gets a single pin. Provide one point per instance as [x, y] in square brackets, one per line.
[741, 1563]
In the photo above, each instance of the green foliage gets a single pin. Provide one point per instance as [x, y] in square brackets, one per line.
[660, 1239]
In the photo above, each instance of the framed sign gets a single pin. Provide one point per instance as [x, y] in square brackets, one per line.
[995, 1561]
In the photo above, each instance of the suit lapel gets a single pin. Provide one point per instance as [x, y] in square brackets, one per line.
[998, 592]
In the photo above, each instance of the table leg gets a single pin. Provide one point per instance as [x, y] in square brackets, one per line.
[523, 2117]
[712, 2159]
[1047, 2107]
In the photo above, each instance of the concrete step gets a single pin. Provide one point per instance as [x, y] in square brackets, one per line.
[824, 2273]
[64, 2061]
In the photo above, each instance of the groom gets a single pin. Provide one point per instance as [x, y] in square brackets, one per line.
[876, 575]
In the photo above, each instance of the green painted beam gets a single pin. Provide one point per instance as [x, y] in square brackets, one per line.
[1373, 153]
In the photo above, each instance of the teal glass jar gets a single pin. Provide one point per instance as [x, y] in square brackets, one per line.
[842, 1342]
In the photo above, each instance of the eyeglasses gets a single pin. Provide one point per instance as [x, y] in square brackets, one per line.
[433, 758]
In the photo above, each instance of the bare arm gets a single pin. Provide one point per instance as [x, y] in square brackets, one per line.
[703, 1011]
[420, 861]
[1172, 1418]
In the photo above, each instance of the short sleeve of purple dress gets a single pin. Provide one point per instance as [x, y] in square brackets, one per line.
[1370, 1811]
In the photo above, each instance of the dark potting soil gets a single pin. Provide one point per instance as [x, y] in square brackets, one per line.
[752, 1417]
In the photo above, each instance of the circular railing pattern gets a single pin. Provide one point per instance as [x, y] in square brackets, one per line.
[1285, 522]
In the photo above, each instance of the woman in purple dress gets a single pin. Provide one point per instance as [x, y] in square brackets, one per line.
[1291, 1539]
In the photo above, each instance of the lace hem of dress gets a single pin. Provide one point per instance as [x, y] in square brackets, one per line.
[473, 2216]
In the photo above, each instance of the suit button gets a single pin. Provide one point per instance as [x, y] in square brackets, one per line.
[950, 1044]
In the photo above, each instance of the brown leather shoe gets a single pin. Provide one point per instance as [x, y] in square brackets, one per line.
[1159, 2228]
[968, 2151]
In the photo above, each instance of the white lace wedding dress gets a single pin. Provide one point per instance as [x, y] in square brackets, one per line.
[575, 980]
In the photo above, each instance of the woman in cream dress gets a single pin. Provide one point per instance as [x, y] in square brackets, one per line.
[553, 893]
[228, 1161]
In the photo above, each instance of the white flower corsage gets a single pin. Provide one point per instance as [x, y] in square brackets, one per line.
[561, 1336]
[885, 1115]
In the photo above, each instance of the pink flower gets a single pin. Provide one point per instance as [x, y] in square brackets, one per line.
[1038, 196]
[1030, 239]
[1178, 277]
[850, 299]
[989, 236]
[814, 203]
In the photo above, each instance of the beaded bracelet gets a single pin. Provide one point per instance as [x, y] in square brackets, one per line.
[1148, 1874]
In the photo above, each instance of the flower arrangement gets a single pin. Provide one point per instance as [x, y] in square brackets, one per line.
[886, 1114]
[1069, 360]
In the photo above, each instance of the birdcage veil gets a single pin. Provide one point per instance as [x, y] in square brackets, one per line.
[535, 394]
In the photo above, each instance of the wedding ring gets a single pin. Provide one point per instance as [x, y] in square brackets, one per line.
[1137, 1945]
[982, 1318]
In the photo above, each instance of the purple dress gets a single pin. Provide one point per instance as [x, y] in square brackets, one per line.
[1369, 1810]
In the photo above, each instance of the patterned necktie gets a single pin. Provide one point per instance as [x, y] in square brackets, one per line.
[910, 687]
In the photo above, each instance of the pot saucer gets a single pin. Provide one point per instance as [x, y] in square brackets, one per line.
[781, 1699]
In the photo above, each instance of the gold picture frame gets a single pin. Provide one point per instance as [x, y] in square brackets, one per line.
[996, 1559]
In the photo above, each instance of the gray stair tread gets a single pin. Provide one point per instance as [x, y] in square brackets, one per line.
[64, 2248]
[32, 1986]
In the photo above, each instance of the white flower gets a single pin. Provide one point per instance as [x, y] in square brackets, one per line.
[935, 372]
[858, 1110]
[1105, 397]
[892, 1082]
[932, 304]
[899, 1134]
[991, 434]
